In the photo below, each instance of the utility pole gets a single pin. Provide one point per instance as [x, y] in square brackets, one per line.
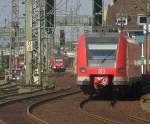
[29, 43]
[97, 14]
[41, 23]
[14, 34]
[66, 12]
[43, 43]
[147, 42]
[36, 38]
[37, 35]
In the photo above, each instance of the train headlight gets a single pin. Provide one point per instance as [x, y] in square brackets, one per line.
[82, 70]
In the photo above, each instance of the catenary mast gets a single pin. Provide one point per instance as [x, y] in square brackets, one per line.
[14, 35]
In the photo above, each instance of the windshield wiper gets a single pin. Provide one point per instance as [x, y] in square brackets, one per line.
[105, 58]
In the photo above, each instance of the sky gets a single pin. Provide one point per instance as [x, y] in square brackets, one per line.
[5, 11]
[81, 7]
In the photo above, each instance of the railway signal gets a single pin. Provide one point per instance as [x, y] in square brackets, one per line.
[62, 38]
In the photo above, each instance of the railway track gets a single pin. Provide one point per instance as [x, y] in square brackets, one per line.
[18, 103]
[7, 86]
[28, 102]
[58, 95]
[18, 96]
[8, 89]
[38, 98]
[11, 98]
[137, 120]
[4, 85]
[103, 120]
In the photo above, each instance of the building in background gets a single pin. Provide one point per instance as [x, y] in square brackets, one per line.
[76, 25]
[71, 21]
[133, 12]
[133, 15]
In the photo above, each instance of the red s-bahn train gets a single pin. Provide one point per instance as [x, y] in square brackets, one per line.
[57, 62]
[107, 59]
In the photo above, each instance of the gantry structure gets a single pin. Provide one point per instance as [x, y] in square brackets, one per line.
[39, 36]
[14, 35]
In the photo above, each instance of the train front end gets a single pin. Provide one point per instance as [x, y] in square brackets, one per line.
[58, 63]
[96, 61]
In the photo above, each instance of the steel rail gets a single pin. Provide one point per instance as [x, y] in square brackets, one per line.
[65, 93]
[30, 97]
[6, 84]
[19, 94]
[8, 87]
[138, 120]
[3, 84]
[23, 97]
[134, 119]
[101, 119]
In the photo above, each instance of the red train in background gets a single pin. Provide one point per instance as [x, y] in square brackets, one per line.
[57, 62]
[107, 59]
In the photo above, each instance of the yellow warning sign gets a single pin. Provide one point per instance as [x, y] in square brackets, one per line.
[29, 46]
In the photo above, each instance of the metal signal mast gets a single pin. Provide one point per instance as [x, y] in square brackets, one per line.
[14, 34]
[28, 45]
[39, 42]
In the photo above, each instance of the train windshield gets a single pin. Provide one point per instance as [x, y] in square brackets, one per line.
[101, 52]
[59, 60]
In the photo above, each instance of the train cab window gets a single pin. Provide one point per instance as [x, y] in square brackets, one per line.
[58, 60]
[101, 52]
